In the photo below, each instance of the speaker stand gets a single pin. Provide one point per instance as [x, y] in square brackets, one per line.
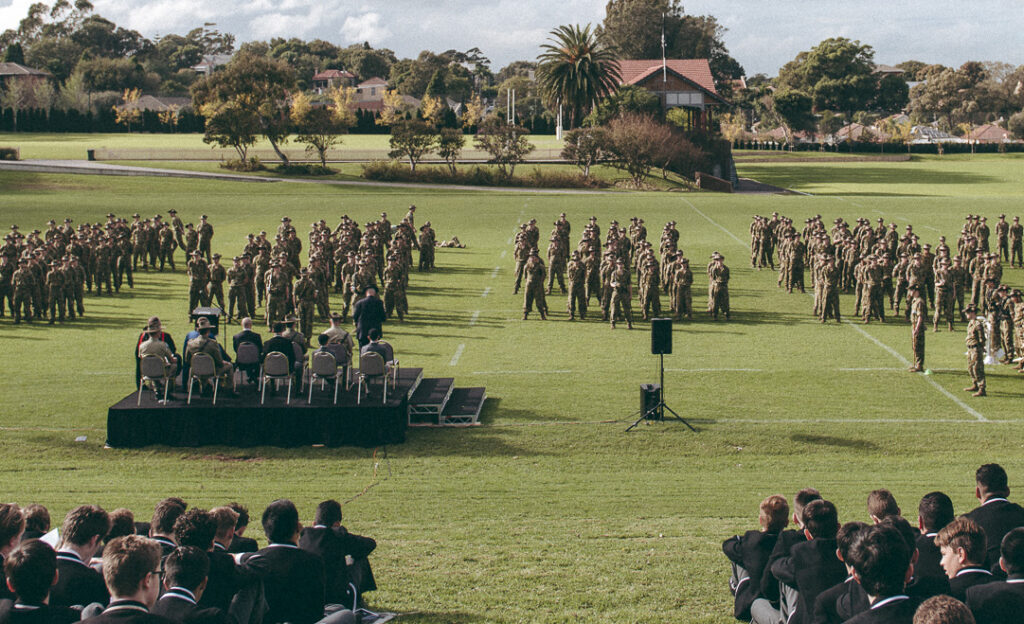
[657, 412]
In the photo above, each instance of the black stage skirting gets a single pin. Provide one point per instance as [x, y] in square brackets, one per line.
[243, 422]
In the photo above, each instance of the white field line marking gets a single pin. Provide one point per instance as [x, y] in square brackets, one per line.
[967, 408]
[714, 370]
[487, 291]
[473, 319]
[933, 229]
[509, 241]
[714, 223]
[874, 368]
[504, 252]
[879, 212]
[897, 421]
[458, 353]
[524, 372]
[494, 273]
[103, 373]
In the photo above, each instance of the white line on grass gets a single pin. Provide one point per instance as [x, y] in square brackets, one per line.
[473, 319]
[713, 222]
[524, 372]
[967, 408]
[494, 273]
[870, 368]
[487, 291]
[458, 353]
[504, 252]
[933, 229]
[509, 241]
[898, 421]
[714, 370]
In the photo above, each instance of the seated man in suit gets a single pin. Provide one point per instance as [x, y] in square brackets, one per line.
[248, 335]
[376, 346]
[778, 600]
[226, 519]
[185, 578]
[962, 545]
[239, 542]
[37, 521]
[934, 512]
[83, 531]
[31, 570]
[12, 525]
[280, 343]
[1002, 602]
[293, 579]
[996, 515]
[882, 565]
[131, 570]
[749, 553]
[812, 566]
[331, 541]
[843, 600]
[207, 344]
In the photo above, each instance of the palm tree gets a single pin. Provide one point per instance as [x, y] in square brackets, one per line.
[576, 70]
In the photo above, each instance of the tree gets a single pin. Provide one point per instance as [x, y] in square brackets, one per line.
[436, 88]
[258, 84]
[637, 141]
[450, 142]
[129, 112]
[586, 147]
[107, 74]
[44, 95]
[1016, 126]
[634, 29]
[321, 128]
[576, 70]
[431, 108]
[229, 123]
[506, 143]
[15, 54]
[794, 111]
[73, 95]
[473, 112]
[838, 75]
[393, 110]
[170, 117]
[14, 96]
[949, 96]
[411, 139]
[628, 99]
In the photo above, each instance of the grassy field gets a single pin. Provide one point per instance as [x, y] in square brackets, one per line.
[548, 511]
[74, 146]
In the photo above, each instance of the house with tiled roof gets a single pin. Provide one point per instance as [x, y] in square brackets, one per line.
[678, 83]
[160, 103]
[331, 78]
[27, 76]
[989, 133]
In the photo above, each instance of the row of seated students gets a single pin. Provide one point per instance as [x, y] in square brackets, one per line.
[946, 570]
[187, 566]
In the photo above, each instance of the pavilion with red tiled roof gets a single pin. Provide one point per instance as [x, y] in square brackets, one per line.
[679, 83]
[330, 78]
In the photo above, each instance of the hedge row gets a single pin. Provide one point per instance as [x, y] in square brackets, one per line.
[882, 148]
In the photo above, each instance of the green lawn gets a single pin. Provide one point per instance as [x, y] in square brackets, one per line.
[190, 146]
[548, 511]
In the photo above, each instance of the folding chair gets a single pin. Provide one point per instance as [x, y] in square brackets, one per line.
[371, 365]
[275, 368]
[153, 368]
[343, 358]
[202, 365]
[247, 357]
[391, 362]
[300, 365]
[324, 367]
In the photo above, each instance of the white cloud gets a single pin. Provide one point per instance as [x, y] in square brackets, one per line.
[365, 27]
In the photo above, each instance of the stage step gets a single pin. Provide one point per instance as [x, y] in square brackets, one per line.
[464, 406]
[427, 403]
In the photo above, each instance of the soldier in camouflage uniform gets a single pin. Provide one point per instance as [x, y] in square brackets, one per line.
[7, 269]
[198, 278]
[917, 310]
[205, 233]
[577, 273]
[426, 246]
[277, 286]
[167, 245]
[621, 294]
[304, 294]
[975, 351]
[556, 263]
[944, 294]
[718, 287]
[237, 295]
[218, 275]
[395, 300]
[24, 283]
[682, 296]
[55, 292]
[535, 274]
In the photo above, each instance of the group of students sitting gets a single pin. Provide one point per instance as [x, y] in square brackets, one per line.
[946, 570]
[186, 566]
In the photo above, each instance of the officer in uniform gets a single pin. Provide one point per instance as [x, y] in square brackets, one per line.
[395, 300]
[918, 311]
[1016, 235]
[205, 237]
[577, 274]
[218, 274]
[621, 294]
[718, 286]
[975, 351]
[198, 278]
[535, 274]
[304, 294]
[55, 292]
[944, 294]
[24, 284]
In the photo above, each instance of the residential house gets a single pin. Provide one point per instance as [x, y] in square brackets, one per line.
[989, 133]
[331, 78]
[211, 62]
[27, 76]
[159, 103]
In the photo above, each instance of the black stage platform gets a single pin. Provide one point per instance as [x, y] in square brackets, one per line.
[244, 422]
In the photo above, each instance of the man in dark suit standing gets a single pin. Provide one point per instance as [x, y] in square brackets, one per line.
[368, 313]
[333, 543]
[293, 579]
[131, 569]
[83, 532]
[996, 515]
[1002, 602]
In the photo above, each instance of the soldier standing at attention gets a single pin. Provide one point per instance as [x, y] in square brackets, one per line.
[217, 276]
[682, 296]
[237, 294]
[535, 274]
[917, 311]
[944, 300]
[7, 269]
[426, 245]
[975, 351]
[179, 229]
[1002, 238]
[277, 284]
[622, 294]
[395, 299]
[1016, 233]
[198, 278]
[577, 273]
[23, 282]
[556, 263]
[304, 294]
[521, 253]
[1018, 326]
[205, 237]
[718, 286]
[55, 292]
[191, 241]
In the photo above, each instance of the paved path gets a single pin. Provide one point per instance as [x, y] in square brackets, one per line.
[84, 167]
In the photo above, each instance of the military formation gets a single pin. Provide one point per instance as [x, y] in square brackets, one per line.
[887, 269]
[607, 269]
[45, 275]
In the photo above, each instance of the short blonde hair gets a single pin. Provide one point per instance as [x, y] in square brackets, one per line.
[774, 514]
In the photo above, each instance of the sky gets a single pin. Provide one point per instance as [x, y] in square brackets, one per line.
[762, 34]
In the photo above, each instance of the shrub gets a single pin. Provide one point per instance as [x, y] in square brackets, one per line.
[252, 164]
[9, 153]
[304, 169]
[381, 171]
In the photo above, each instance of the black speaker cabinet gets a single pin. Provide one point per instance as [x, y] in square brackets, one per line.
[661, 336]
[650, 396]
